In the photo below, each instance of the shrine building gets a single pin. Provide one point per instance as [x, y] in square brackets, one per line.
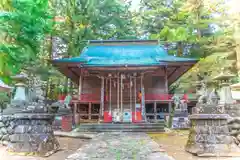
[123, 80]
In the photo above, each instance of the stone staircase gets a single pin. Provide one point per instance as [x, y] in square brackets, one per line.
[123, 127]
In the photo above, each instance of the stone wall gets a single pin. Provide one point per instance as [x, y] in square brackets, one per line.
[210, 136]
[234, 123]
[6, 129]
[28, 134]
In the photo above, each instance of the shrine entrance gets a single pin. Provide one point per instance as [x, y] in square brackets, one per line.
[122, 97]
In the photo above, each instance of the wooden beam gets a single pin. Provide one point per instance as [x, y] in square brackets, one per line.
[76, 74]
[110, 96]
[175, 69]
[90, 110]
[135, 97]
[181, 71]
[121, 93]
[118, 92]
[143, 99]
[75, 112]
[80, 88]
[123, 68]
[155, 111]
[68, 74]
[166, 80]
[102, 97]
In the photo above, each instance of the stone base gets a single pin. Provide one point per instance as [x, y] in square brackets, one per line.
[209, 136]
[233, 109]
[214, 150]
[31, 134]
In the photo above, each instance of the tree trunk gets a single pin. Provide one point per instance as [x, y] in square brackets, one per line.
[170, 120]
[180, 48]
[46, 92]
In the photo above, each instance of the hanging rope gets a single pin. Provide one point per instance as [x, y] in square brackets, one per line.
[102, 97]
[121, 94]
[118, 93]
[131, 93]
[135, 96]
[110, 97]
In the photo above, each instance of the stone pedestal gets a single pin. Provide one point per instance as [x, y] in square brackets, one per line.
[233, 109]
[209, 136]
[32, 134]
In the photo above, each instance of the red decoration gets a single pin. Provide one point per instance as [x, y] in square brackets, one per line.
[67, 123]
[138, 116]
[94, 98]
[107, 117]
[161, 97]
[61, 97]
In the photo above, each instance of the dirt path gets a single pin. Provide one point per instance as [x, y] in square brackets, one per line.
[68, 146]
[174, 144]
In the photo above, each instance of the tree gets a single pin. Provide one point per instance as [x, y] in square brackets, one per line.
[223, 48]
[23, 29]
[184, 27]
[4, 100]
[92, 19]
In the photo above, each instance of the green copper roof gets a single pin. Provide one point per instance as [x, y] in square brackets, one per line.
[121, 55]
[124, 53]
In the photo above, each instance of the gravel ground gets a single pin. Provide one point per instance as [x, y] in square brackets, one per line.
[68, 146]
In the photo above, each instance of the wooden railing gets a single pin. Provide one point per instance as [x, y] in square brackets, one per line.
[94, 98]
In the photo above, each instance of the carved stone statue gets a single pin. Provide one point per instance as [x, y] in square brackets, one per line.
[213, 97]
[211, 139]
[203, 92]
[176, 100]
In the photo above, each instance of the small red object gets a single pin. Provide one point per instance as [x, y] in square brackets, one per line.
[61, 97]
[67, 123]
[107, 117]
[138, 118]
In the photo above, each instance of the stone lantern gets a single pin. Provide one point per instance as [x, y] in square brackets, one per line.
[235, 88]
[225, 91]
[20, 95]
[209, 133]
[28, 124]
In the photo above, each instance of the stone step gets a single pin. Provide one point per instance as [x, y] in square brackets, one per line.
[125, 127]
[125, 124]
[121, 126]
[125, 130]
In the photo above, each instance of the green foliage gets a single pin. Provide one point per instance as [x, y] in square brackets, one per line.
[23, 30]
[94, 19]
[4, 100]
[182, 22]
